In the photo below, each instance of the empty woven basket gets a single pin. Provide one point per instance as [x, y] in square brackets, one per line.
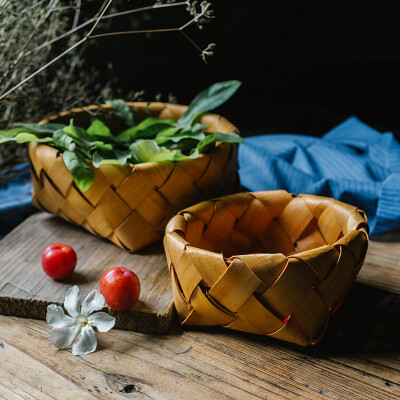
[131, 205]
[267, 263]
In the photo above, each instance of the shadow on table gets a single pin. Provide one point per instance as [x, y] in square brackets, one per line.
[367, 322]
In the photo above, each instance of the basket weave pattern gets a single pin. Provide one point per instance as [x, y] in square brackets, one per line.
[131, 205]
[300, 256]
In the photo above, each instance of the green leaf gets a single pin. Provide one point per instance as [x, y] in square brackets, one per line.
[63, 141]
[149, 151]
[99, 128]
[39, 129]
[198, 127]
[206, 144]
[170, 131]
[80, 170]
[228, 137]
[144, 151]
[11, 133]
[110, 157]
[208, 100]
[209, 141]
[147, 129]
[122, 110]
[173, 155]
[160, 140]
[98, 144]
[70, 130]
[80, 136]
[25, 137]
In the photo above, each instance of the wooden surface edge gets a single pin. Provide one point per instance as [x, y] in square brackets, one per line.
[143, 322]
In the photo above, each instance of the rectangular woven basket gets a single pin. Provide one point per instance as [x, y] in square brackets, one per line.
[131, 205]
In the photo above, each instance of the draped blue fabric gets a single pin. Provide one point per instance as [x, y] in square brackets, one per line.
[15, 197]
[352, 163]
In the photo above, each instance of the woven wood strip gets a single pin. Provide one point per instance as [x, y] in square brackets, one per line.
[270, 263]
[131, 205]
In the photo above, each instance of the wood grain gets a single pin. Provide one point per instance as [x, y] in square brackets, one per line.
[382, 264]
[26, 291]
[351, 362]
[357, 359]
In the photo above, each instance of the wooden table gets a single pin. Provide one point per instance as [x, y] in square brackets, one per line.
[359, 357]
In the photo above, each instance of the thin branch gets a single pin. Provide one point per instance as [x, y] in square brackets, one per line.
[3, 3]
[89, 35]
[99, 18]
[107, 4]
[134, 32]
[25, 10]
[21, 52]
[42, 68]
[62, 36]
[77, 14]
[88, 22]
[178, 29]
[191, 40]
[154, 6]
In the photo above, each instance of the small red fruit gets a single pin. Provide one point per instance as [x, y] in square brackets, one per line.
[120, 287]
[58, 260]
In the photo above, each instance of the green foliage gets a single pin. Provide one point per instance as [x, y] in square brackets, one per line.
[209, 99]
[80, 170]
[151, 140]
[122, 110]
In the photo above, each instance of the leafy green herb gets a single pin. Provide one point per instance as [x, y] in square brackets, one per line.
[146, 129]
[80, 170]
[25, 137]
[122, 110]
[63, 141]
[151, 140]
[99, 128]
[207, 100]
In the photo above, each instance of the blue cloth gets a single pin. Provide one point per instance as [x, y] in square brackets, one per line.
[352, 163]
[15, 197]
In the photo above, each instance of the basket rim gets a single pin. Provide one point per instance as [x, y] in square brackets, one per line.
[364, 229]
[142, 105]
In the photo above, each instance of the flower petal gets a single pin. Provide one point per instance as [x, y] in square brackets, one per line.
[86, 343]
[102, 321]
[93, 302]
[72, 300]
[64, 337]
[56, 318]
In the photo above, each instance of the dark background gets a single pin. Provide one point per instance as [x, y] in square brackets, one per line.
[305, 65]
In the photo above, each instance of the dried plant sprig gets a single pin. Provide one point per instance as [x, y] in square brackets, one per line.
[201, 13]
[28, 32]
[200, 16]
[208, 52]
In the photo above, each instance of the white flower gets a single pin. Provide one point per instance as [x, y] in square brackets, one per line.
[67, 328]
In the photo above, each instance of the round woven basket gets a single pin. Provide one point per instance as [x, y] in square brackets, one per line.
[269, 263]
[131, 205]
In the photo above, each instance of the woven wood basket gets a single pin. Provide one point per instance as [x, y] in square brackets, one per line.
[131, 205]
[269, 263]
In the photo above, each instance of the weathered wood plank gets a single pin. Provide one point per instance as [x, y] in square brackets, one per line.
[26, 291]
[382, 264]
[190, 364]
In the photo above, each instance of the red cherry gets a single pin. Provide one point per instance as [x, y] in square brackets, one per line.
[120, 287]
[59, 260]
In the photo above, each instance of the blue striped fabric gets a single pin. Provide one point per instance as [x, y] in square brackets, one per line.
[15, 198]
[352, 163]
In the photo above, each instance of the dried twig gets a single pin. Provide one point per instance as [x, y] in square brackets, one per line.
[199, 17]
